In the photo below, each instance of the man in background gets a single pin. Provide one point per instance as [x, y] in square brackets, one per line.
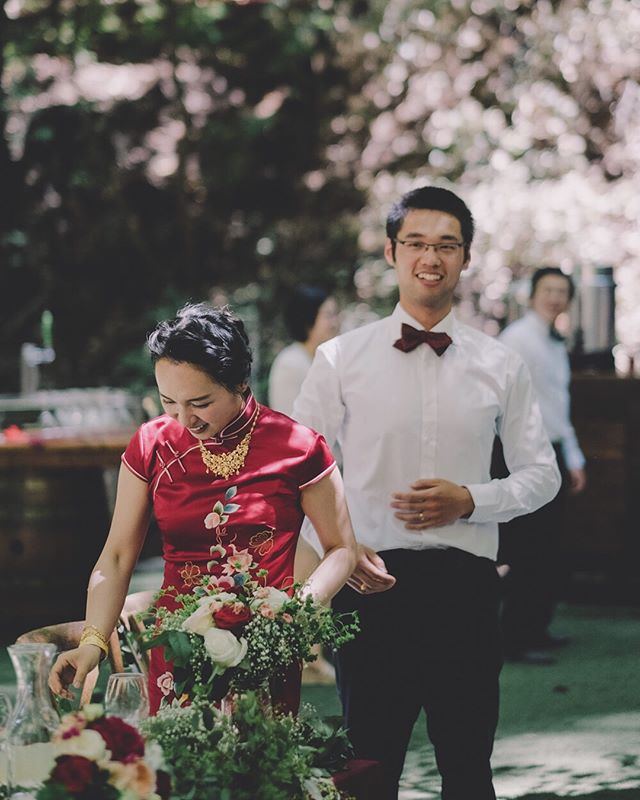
[530, 544]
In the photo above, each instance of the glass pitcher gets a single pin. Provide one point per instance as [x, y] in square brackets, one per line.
[33, 721]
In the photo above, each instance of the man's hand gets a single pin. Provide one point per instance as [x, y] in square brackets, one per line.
[577, 481]
[432, 503]
[370, 574]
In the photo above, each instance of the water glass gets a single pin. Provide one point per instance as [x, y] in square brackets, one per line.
[127, 697]
[5, 714]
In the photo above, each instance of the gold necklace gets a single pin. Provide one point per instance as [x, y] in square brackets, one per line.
[226, 464]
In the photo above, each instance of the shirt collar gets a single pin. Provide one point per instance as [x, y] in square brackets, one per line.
[448, 324]
[241, 424]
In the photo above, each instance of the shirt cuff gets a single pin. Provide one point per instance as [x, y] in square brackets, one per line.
[485, 499]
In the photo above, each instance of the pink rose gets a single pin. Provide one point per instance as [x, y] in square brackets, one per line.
[287, 617]
[266, 611]
[165, 683]
[136, 776]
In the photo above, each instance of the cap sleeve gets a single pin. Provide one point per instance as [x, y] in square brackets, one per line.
[318, 462]
[135, 458]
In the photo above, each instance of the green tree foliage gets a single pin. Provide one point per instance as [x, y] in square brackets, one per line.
[153, 149]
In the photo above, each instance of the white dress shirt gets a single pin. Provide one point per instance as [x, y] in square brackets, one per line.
[288, 370]
[399, 417]
[548, 364]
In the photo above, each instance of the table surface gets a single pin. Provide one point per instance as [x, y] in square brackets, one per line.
[90, 450]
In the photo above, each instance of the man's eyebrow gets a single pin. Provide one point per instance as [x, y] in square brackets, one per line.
[443, 236]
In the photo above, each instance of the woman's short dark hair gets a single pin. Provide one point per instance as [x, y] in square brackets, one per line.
[542, 272]
[301, 310]
[211, 339]
[432, 198]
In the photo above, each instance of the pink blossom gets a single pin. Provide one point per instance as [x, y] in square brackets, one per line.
[238, 562]
[287, 617]
[165, 683]
[212, 520]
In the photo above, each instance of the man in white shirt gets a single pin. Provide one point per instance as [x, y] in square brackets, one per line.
[414, 401]
[529, 544]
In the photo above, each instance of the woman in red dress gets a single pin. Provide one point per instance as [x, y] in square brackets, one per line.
[213, 437]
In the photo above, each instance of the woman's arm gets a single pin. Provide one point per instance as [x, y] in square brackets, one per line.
[109, 579]
[324, 503]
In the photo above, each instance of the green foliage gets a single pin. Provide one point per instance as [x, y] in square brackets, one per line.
[251, 755]
[182, 171]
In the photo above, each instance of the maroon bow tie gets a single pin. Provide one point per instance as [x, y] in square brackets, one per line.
[411, 338]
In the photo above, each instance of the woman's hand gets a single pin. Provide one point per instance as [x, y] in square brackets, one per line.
[72, 667]
[370, 575]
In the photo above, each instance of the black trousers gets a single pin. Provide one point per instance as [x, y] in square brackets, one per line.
[531, 546]
[431, 643]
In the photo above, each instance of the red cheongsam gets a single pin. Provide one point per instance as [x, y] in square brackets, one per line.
[284, 457]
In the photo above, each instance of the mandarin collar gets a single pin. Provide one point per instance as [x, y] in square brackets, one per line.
[447, 324]
[241, 424]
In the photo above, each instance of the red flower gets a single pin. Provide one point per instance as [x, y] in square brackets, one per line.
[229, 619]
[75, 773]
[122, 739]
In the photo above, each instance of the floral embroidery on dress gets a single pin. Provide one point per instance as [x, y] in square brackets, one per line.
[262, 542]
[219, 515]
[165, 683]
[189, 573]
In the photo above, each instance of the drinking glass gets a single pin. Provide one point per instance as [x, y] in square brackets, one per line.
[5, 714]
[127, 697]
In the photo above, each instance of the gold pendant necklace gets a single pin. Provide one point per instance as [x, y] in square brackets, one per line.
[226, 464]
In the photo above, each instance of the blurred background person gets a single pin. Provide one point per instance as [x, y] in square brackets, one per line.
[531, 544]
[311, 317]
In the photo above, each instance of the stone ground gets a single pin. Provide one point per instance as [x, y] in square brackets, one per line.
[596, 753]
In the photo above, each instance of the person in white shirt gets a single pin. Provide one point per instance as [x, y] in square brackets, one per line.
[415, 400]
[530, 544]
[311, 317]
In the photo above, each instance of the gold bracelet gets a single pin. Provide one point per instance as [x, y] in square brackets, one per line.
[91, 630]
[91, 635]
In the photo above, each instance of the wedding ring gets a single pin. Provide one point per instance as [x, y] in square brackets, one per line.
[421, 516]
[363, 587]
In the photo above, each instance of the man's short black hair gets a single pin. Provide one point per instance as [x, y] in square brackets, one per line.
[541, 273]
[431, 198]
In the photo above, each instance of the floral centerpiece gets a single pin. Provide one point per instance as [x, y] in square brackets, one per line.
[251, 754]
[232, 632]
[103, 758]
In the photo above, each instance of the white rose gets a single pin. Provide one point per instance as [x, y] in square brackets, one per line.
[224, 648]
[200, 621]
[88, 743]
[93, 711]
[270, 596]
[220, 597]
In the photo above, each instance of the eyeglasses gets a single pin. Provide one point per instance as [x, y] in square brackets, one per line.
[418, 248]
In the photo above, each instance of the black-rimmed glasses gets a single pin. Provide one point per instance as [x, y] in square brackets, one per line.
[418, 248]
